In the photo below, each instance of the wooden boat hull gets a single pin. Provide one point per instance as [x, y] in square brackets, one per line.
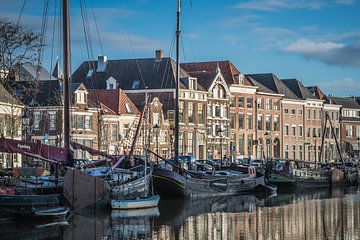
[58, 212]
[148, 202]
[171, 184]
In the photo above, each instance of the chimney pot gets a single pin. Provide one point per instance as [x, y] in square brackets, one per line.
[159, 54]
[102, 62]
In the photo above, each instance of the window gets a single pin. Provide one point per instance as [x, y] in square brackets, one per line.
[268, 103]
[293, 111]
[80, 121]
[300, 152]
[249, 122]
[114, 132]
[232, 102]
[309, 114]
[268, 122]
[294, 130]
[260, 122]
[260, 103]
[125, 128]
[349, 130]
[200, 113]
[319, 133]
[300, 112]
[52, 121]
[241, 121]
[241, 102]
[250, 143]
[286, 151]
[232, 120]
[217, 111]
[37, 119]
[276, 105]
[250, 102]
[190, 112]
[276, 123]
[314, 114]
[286, 111]
[80, 97]
[190, 143]
[89, 73]
[181, 143]
[241, 144]
[314, 132]
[300, 131]
[181, 112]
[127, 106]
[136, 84]
[293, 147]
[308, 132]
[287, 130]
[88, 122]
[358, 132]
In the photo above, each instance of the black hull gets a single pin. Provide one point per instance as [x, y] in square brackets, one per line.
[171, 184]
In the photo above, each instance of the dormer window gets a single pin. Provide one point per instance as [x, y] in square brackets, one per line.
[80, 97]
[128, 109]
[192, 83]
[89, 73]
[111, 83]
[136, 84]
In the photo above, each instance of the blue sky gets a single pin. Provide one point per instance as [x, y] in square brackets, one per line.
[315, 41]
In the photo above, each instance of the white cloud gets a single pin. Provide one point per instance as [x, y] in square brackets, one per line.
[344, 86]
[277, 5]
[307, 46]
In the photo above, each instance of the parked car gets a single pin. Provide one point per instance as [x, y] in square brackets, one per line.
[213, 164]
[187, 162]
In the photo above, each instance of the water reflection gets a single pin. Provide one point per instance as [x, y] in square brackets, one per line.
[319, 214]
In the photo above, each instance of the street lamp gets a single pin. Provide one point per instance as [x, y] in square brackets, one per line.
[156, 129]
[220, 133]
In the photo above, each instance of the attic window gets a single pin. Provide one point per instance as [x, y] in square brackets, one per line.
[136, 84]
[90, 72]
[128, 109]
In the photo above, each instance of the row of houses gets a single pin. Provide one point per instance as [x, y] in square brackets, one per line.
[223, 112]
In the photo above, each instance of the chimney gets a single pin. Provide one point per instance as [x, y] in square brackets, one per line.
[102, 62]
[159, 54]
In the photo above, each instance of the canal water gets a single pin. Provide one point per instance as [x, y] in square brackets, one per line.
[315, 214]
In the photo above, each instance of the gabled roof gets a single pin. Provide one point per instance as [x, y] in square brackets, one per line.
[58, 73]
[273, 83]
[36, 72]
[207, 69]
[298, 89]
[147, 72]
[345, 102]
[261, 88]
[318, 93]
[114, 99]
[6, 97]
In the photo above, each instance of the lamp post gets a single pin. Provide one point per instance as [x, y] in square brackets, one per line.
[156, 129]
[25, 120]
[220, 133]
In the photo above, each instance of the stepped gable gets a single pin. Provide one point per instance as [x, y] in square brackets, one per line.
[298, 89]
[273, 83]
[130, 74]
[115, 100]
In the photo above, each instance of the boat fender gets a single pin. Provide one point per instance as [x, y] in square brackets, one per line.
[252, 171]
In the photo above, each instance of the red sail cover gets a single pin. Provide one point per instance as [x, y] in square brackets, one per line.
[60, 155]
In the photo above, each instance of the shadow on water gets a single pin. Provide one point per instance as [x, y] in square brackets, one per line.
[301, 214]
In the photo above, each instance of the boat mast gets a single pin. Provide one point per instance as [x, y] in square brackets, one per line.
[176, 143]
[66, 59]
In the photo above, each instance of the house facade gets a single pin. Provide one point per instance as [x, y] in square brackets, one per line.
[11, 112]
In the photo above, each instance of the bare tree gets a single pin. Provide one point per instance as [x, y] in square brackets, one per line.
[18, 45]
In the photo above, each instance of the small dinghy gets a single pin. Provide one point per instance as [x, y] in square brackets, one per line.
[51, 212]
[148, 202]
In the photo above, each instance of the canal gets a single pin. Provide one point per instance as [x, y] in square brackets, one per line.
[317, 214]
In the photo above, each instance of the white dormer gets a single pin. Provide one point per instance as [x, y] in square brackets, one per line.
[136, 84]
[81, 96]
[111, 83]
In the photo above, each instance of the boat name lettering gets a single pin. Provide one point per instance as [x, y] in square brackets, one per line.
[23, 146]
